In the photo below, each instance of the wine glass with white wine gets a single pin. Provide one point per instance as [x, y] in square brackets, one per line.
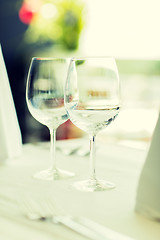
[45, 100]
[92, 100]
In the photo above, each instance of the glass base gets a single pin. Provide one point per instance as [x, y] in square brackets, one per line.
[53, 174]
[93, 185]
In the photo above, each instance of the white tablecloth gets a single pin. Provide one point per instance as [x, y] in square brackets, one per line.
[114, 209]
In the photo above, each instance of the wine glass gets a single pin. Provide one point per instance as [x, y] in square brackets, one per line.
[45, 100]
[92, 100]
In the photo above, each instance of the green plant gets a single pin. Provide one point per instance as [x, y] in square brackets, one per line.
[57, 22]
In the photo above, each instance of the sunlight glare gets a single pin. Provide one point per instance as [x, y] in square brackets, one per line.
[49, 10]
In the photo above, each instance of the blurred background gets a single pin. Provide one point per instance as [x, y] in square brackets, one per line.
[126, 29]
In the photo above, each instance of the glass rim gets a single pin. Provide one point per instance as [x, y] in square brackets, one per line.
[92, 57]
[51, 58]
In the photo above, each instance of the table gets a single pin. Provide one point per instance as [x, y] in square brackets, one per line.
[113, 209]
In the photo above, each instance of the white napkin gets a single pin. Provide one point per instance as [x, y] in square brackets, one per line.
[10, 135]
[148, 191]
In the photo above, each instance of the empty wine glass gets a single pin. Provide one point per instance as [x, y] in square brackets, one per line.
[92, 101]
[45, 100]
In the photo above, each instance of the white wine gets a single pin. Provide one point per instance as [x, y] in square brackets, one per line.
[93, 120]
[48, 111]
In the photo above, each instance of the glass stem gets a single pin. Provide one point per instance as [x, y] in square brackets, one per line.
[53, 148]
[92, 158]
